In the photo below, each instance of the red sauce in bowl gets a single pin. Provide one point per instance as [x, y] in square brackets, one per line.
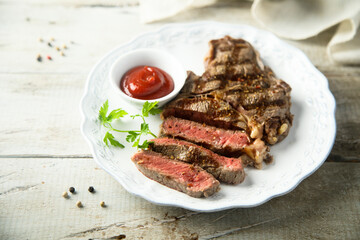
[147, 83]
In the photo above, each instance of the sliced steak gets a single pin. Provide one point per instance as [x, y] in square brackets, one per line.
[177, 175]
[230, 143]
[228, 170]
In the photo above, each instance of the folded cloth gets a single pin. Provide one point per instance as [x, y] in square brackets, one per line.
[294, 19]
[291, 19]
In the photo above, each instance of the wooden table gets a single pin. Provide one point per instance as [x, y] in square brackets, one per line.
[42, 152]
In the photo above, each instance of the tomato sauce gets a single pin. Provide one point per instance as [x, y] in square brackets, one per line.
[144, 82]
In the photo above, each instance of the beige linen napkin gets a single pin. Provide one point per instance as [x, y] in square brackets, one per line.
[296, 19]
[292, 19]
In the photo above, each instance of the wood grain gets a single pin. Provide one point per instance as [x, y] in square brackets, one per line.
[31, 192]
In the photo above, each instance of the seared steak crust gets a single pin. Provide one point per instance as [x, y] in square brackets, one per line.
[177, 175]
[228, 170]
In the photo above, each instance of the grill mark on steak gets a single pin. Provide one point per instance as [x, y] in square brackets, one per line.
[196, 85]
[177, 175]
[228, 170]
[230, 143]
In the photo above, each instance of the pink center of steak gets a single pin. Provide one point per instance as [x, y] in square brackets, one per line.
[195, 178]
[200, 133]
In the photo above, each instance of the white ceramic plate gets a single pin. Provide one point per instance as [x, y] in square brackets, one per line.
[299, 155]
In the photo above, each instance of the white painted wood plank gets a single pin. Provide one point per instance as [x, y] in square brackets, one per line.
[97, 30]
[324, 206]
[40, 115]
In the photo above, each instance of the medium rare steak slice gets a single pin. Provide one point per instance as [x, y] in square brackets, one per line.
[177, 175]
[230, 143]
[228, 170]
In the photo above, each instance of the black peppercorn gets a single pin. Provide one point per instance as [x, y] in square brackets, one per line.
[91, 189]
[72, 189]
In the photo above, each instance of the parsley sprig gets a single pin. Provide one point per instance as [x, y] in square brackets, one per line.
[134, 136]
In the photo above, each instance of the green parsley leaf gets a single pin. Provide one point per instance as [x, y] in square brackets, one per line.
[116, 114]
[103, 111]
[145, 145]
[136, 143]
[150, 108]
[144, 128]
[155, 110]
[131, 137]
[110, 138]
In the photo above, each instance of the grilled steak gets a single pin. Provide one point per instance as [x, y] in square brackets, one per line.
[230, 143]
[228, 170]
[238, 90]
[177, 175]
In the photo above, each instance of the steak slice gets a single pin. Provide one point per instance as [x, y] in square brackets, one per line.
[228, 170]
[177, 175]
[208, 110]
[230, 143]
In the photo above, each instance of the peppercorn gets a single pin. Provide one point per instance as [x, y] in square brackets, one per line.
[49, 44]
[79, 204]
[52, 39]
[57, 48]
[72, 189]
[40, 40]
[39, 58]
[121, 236]
[62, 54]
[64, 46]
[102, 204]
[48, 57]
[65, 195]
[91, 189]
